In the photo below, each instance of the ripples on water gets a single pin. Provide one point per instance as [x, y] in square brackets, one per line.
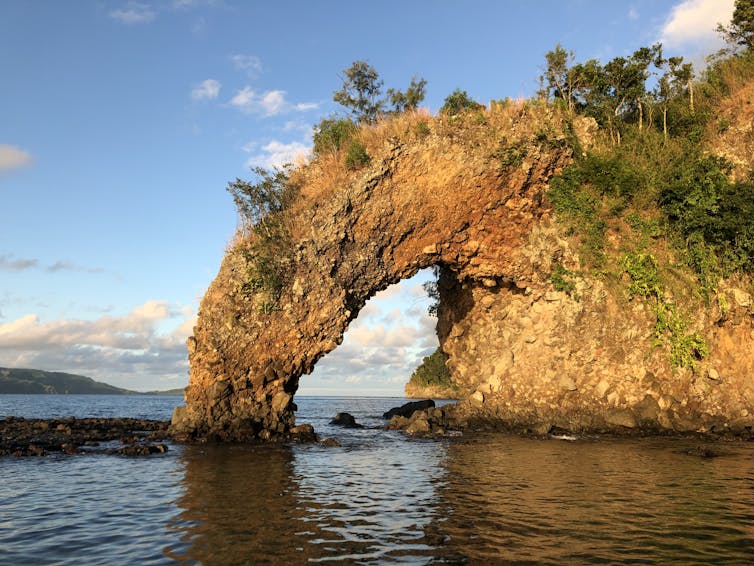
[381, 497]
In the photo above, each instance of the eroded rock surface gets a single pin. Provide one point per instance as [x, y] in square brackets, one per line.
[469, 198]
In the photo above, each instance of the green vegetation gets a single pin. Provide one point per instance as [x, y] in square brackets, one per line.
[562, 280]
[433, 372]
[650, 178]
[356, 156]
[261, 206]
[361, 93]
[458, 101]
[332, 134]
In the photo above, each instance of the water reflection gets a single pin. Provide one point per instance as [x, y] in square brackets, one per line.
[238, 505]
[520, 500]
[480, 499]
[367, 501]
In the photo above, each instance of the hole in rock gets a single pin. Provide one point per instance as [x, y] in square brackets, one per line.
[382, 346]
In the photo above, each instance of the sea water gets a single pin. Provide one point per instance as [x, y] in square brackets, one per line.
[380, 497]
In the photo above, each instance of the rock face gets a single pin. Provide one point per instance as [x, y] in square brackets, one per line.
[469, 197]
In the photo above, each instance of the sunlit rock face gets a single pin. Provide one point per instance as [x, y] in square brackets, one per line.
[521, 352]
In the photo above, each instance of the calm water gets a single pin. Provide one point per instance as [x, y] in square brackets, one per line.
[379, 498]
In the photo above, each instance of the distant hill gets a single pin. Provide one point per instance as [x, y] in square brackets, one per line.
[178, 391]
[38, 381]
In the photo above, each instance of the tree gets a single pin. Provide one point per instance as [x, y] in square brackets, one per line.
[361, 92]
[558, 78]
[408, 100]
[740, 31]
[458, 101]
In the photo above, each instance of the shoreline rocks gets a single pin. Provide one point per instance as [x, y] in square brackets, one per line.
[125, 436]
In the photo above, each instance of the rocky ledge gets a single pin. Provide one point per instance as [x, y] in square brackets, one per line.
[39, 437]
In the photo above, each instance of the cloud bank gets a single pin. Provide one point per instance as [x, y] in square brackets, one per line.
[692, 24]
[128, 351]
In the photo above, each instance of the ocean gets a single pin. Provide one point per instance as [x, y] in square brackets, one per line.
[379, 498]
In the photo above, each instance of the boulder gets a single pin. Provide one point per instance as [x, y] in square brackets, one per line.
[409, 409]
[346, 420]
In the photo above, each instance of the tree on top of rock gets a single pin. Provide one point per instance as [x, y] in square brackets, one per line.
[361, 92]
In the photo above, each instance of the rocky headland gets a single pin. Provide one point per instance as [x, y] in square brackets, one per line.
[538, 336]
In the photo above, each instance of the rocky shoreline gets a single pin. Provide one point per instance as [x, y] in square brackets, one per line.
[124, 436]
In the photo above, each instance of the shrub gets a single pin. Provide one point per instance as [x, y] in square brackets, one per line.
[262, 206]
[458, 101]
[331, 134]
[356, 156]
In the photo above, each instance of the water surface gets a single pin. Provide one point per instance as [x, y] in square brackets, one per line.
[379, 498]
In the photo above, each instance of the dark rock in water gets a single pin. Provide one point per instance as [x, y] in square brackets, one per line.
[345, 419]
[409, 409]
[39, 437]
[329, 442]
[303, 433]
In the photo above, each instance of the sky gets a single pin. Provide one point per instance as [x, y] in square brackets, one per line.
[122, 122]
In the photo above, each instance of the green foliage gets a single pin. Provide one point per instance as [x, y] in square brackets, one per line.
[510, 155]
[685, 348]
[331, 134]
[410, 99]
[740, 31]
[458, 101]
[262, 206]
[645, 279]
[361, 92]
[433, 371]
[356, 156]
[562, 280]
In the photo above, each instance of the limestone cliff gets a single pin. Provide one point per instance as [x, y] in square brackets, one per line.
[468, 195]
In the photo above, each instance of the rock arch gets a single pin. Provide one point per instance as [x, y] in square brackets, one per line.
[469, 197]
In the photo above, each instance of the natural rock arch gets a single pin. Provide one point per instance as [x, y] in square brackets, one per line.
[470, 197]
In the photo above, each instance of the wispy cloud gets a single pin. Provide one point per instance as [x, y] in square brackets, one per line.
[249, 64]
[269, 103]
[206, 90]
[119, 350]
[691, 24]
[12, 157]
[633, 13]
[10, 263]
[70, 266]
[134, 13]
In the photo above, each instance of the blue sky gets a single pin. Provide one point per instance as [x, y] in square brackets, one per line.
[122, 123]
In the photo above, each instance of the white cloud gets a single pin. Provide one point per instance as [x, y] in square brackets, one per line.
[127, 351]
[276, 153]
[134, 13]
[381, 349]
[249, 64]
[269, 103]
[633, 13]
[305, 106]
[206, 90]
[692, 23]
[12, 157]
